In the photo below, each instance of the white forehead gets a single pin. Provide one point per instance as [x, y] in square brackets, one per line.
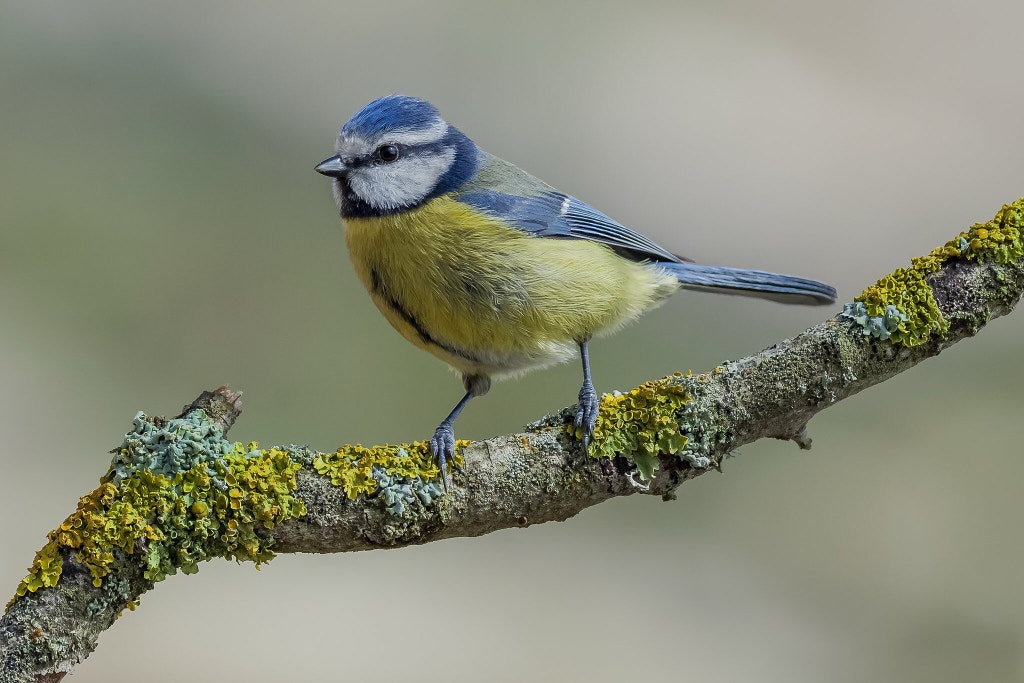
[356, 145]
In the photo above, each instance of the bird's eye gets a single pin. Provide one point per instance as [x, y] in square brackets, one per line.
[387, 153]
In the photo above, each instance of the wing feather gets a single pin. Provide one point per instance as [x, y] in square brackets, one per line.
[557, 215]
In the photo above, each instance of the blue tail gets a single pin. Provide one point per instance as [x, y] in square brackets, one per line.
[786, 289]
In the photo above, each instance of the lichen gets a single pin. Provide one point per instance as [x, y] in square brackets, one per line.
[905, 298]
[175, 519]
[881, 326]
[397, 490]
[697, 420]
[178, 493]
[901, 306]
[1000, 240]
[208, 516]
[640, 424]
[400, 471]
[117, 593]
[177, 446]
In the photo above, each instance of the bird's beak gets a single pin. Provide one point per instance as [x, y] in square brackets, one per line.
[333, 167]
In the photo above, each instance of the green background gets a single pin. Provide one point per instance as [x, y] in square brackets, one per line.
[162, 231]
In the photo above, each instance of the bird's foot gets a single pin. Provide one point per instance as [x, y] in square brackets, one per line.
[442, 447]
[586, 413]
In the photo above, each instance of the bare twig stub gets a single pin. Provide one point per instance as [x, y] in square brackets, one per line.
[520, 479]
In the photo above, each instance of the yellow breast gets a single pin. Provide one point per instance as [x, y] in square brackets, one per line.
[488, 298]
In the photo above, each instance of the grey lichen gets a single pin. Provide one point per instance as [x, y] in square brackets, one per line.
[397, 491]
[879, 326]
[177, 446]
[697, 420]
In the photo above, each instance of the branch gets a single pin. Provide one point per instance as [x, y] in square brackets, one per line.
[178, 493]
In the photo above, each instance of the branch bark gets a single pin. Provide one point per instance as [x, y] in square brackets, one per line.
[539, 475]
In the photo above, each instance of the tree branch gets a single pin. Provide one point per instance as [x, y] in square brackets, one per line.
[542, 474]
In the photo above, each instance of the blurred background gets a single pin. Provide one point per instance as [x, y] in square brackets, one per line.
[162, 232]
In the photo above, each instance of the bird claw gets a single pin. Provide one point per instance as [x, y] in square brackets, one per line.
[442, 447]
[586, 413]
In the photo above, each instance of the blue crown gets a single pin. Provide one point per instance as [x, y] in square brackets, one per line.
[393, 112]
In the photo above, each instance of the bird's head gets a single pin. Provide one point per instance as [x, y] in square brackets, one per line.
[395, 154]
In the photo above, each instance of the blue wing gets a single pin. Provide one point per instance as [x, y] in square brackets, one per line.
[554, 214]
[557, 215]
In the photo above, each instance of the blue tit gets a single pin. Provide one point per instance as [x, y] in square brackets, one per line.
[492, 270]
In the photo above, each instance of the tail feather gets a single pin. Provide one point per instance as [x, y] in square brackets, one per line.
[787, 289]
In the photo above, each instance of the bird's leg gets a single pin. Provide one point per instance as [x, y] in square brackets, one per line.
[442, 445]
[586, 411]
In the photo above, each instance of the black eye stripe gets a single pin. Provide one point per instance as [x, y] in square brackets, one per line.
[403, 151]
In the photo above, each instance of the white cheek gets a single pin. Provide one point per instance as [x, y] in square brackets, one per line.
[403, 183]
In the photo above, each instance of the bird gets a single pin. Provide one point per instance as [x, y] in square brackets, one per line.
[491, 269]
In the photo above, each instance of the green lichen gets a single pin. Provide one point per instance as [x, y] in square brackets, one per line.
[175, 519]
[360, 470]
[906, 292]
[178, 493]
[640, 424]
[1001, 240]
[208, 516]
[901, 306]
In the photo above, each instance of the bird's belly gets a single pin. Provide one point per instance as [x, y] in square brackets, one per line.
[482, 333]
[487, 298]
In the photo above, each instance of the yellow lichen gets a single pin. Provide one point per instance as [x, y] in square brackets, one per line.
[639, 424]
[177, 521]
[998, 240]
[102, 522]
[907, 290]
[351, 467]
